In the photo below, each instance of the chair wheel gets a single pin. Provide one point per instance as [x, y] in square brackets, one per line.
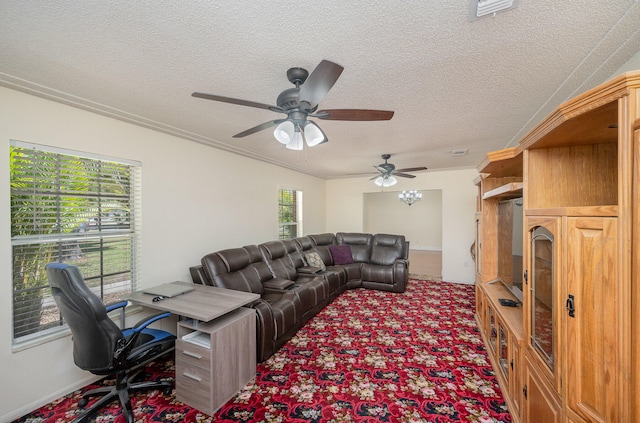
[168, 390]
[83, 403]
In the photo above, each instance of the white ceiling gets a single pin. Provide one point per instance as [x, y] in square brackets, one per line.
[453, 82]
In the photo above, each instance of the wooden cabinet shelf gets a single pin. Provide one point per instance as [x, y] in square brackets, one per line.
[603, 211]
[511, 190]
[501, 163]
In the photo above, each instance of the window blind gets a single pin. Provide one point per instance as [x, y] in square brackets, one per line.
[73, 208]
[288, 213]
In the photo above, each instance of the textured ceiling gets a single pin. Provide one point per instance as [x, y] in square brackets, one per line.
[454, 83]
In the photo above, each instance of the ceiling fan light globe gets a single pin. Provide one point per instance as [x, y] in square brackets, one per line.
[284, 132]
[296, 143]
[390, 181]
[385, 181]
[313, 135]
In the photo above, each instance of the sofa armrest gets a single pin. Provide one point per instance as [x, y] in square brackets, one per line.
[278, 284]
[308, 270]
[400, 274]
[265, 329]
[198, 275]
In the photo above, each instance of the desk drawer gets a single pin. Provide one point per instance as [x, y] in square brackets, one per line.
[190, 354]
[193, 387]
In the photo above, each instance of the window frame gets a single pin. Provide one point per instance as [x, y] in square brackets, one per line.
[297, 213]
[115, 227]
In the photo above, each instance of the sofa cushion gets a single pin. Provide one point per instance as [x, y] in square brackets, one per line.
[314, 260]
[341, 254]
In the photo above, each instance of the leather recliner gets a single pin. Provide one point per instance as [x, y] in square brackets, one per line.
[336, 276]
[387, 268]
[282, 258]
[278, 311]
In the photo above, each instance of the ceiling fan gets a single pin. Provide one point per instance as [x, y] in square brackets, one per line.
[388, 172]
[300, 103]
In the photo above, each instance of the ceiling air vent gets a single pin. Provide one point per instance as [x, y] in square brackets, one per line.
[490, 7]
[460, 152]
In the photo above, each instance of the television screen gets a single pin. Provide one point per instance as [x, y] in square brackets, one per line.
[510, 242]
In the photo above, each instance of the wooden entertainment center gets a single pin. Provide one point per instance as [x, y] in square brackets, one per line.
[570, 352]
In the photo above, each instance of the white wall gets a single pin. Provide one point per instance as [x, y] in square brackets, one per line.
[420, 223]
[196, 199]
[345, 205]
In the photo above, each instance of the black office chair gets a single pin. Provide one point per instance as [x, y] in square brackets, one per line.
[100, 346]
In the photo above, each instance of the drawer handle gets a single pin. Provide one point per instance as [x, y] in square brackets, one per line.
[194, 377]
[190, 354]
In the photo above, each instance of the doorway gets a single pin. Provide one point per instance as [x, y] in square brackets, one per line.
[420, 223]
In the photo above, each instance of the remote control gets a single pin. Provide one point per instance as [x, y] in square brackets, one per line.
[508, 303]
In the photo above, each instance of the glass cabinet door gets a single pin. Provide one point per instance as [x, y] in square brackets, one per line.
[493, 333]
[503, 352]
[478, 247]
[542, 293]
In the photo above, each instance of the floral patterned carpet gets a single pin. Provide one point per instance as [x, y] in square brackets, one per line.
[370, 356]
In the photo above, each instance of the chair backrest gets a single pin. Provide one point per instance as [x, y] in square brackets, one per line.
[276, 255]
[95, 335]
[360, 244]
[234, 268]
[386, 249]
[321, 243]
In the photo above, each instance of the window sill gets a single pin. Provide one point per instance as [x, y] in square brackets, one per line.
[53, 334]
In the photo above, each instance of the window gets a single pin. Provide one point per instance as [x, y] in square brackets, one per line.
[289, 213]
[73, 208]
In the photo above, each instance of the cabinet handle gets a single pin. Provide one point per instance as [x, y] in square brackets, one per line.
[525, 275]
[524, 391]
[190, 354]
[512, 364]
[571, 306]
[190, 376]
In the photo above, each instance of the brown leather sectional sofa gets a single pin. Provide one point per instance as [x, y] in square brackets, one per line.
[293, 291]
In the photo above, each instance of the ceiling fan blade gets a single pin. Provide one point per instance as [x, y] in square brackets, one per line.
[354, 114]
[404, 175]
[319, 83]
[411, 169]
[259, 128]
[237, 101]
[380, 169]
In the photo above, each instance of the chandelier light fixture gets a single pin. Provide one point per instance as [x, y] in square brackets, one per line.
[385, 181]
[410, 197]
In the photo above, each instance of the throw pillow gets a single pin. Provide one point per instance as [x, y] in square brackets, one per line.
[341, 254]
[314, 260]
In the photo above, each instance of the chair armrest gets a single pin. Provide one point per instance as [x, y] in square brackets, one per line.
[150, 319]
[116, 305]
[125, 345]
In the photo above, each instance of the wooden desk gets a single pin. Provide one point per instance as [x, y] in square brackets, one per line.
[205, 303]
[211, 372]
